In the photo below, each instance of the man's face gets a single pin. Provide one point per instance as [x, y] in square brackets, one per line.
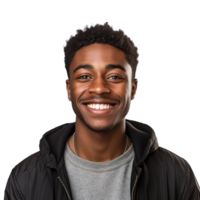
[100, 86]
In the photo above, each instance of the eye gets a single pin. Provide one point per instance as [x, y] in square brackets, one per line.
[88, 76]
[84, 77]
[115, 77]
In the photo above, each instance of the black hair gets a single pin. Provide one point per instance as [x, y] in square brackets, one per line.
[103, 34]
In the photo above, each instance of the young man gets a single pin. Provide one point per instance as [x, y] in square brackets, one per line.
[102, 155]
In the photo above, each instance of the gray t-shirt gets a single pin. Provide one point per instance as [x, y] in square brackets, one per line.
[99, 180]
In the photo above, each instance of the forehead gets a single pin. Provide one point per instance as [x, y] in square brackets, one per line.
[98, 54]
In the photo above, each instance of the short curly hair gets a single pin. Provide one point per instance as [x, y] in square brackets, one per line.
[103, 34]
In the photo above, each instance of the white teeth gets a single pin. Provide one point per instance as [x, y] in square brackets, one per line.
[100, 106]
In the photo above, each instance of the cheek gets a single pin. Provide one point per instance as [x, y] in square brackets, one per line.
[125, 92]
[126, 97]
[76, 94]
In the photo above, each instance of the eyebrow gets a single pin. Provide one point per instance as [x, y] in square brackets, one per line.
[110, 66]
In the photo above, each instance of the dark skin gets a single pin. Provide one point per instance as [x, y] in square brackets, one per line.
[99, 73]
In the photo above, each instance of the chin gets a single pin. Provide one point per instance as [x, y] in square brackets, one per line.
[99, 127]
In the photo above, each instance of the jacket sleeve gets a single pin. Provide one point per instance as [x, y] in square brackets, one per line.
[196, 191]
[12, 191]
[190, 188]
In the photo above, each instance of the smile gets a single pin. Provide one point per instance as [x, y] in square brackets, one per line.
[99, 108]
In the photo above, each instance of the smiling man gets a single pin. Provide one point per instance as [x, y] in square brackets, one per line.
[101, 89]
[102, 156]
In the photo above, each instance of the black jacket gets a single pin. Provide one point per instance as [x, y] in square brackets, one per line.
[157, 173]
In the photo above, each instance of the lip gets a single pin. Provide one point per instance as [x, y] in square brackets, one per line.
[99, 102]
[103, 111]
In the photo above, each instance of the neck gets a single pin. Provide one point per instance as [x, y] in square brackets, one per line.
[101, 161]
[98, 142]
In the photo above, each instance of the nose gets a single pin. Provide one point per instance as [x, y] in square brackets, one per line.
[98, 86]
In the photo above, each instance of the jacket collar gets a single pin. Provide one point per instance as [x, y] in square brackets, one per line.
[53, 142]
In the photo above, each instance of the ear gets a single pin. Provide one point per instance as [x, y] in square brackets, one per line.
[68, 89]
[134, 88]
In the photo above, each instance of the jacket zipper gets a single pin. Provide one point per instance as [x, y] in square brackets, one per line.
[64, 188]
[134, 185]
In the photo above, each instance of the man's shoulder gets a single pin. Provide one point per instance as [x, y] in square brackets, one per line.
[30, 163]
[168, 161]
